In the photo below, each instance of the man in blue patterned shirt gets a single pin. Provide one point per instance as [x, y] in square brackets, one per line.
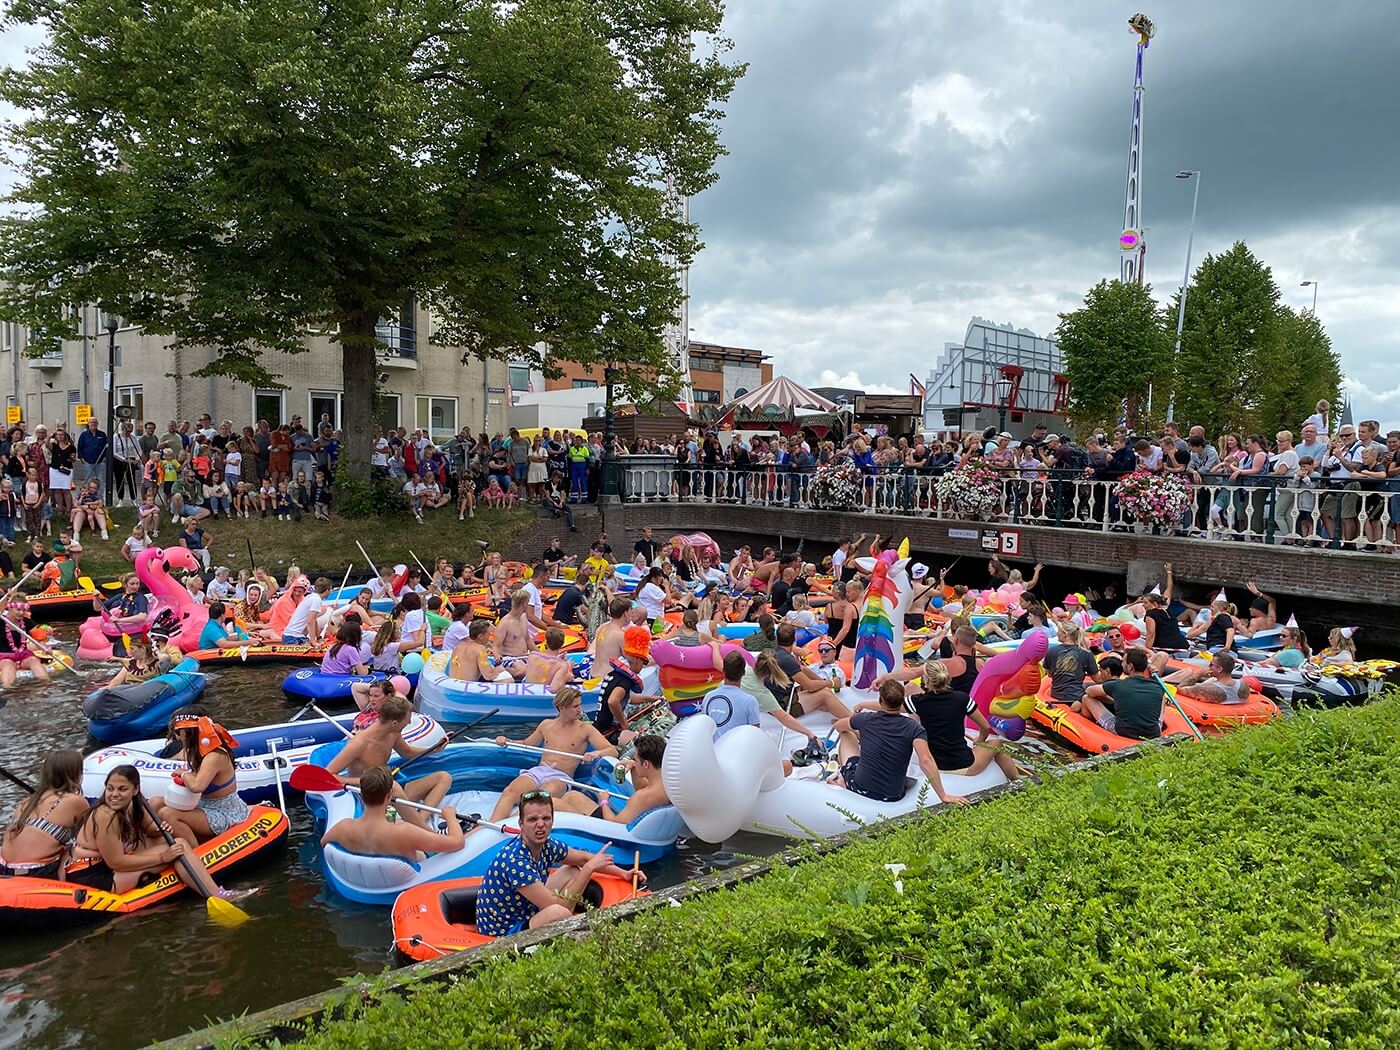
[519, 891]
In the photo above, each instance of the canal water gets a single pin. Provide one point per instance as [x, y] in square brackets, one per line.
[162, 972]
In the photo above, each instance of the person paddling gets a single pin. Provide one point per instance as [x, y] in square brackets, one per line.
[373, 832]
[568, 733]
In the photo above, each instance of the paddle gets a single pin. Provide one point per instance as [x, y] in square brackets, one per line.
[222, 912]
[1171, 699]
[60, 660]
[18, 584]
[16, 780]
[368, 558]
[277, 773]
[317, 778]
[636, 869]
[329, 719]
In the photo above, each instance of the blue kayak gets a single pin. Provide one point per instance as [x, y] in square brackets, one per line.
[141, 709]
[311, 685]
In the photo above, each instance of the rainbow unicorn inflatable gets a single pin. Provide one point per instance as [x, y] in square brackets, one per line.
[880, 630]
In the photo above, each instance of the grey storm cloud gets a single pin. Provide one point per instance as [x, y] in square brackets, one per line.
[895, 168]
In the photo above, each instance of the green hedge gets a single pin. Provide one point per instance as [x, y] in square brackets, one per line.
[1240, 893]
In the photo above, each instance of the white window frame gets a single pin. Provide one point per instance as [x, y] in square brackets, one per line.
[281, 396]
[9, 336]
[313, 418]
[133, 394]
[398, 407]
[423, 409]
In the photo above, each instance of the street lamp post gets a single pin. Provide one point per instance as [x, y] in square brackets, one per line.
[1185, 284]
[111, 322]
[1003, 389]
[1313, 285]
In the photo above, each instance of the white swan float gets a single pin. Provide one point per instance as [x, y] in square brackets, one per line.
[737, 784]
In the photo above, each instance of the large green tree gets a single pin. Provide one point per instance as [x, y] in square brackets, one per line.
[1115, 347]
[1248, 363]
[1302, 369]
[1231, 337]
[235, 173]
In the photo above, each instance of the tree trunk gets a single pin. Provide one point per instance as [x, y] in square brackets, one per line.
[357, 410]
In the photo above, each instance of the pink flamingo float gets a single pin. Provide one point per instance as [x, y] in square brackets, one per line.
[153, 567]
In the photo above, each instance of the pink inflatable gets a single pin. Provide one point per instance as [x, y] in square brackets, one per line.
[688, 672]
[1000, 670]
[153, 567]
[699, 542]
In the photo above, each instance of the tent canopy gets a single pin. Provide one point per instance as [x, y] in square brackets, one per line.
[781, 396]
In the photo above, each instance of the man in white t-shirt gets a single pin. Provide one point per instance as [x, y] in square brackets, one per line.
[1284, 464]
[531, 589]
[304, 626]
[221, 587]
[413, 491]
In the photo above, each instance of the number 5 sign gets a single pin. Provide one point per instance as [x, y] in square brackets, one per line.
[1010, 542]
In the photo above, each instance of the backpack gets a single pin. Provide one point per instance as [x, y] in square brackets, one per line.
[1075, 457]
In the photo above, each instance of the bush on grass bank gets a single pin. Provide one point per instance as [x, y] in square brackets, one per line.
[1237, 893]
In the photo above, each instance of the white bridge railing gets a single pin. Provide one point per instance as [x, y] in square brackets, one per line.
[1337, 515]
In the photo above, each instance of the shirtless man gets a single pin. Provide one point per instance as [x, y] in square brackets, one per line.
[514, 636]
[647, 790]
[566, 732]
[551, 667]
[373, 746]
[471, 660]
[607, 646]
[373, 832]
[764, 570]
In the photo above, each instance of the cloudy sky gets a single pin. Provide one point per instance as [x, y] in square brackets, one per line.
[898, 167]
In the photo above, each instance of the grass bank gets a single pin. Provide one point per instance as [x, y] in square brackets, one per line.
[321, 545]
[1240, 893]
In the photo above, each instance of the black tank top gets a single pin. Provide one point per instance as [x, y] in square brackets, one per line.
[963, 682]
[1167, 634]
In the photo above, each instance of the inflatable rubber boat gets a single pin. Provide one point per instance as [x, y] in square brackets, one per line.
[136, 709]
[439, 918]
[1326, 684]
[480, 771]
[261, 654]
[737, 784]
[29, 905]
[1081, 731]
[452, 700]
[312, 685]
[252, 759]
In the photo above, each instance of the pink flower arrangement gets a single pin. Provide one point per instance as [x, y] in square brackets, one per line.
[1160, 500]
[970, 490]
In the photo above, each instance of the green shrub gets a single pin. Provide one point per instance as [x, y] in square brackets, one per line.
[368, 497]
[1236, 893]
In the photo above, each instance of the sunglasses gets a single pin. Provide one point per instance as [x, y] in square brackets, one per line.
[532, 796]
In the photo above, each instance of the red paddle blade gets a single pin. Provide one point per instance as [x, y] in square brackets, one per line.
[314, 778]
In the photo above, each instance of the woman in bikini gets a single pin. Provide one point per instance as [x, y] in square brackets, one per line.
[207, 748]
[39, 836]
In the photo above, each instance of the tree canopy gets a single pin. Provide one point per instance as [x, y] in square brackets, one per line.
[236, 173]
[1114, 347]
[1247, 363]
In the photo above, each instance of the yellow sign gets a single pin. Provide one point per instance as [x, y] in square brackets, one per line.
[13, 416]
[81, 414]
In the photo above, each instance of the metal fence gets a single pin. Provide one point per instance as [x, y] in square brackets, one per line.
[1337, 514]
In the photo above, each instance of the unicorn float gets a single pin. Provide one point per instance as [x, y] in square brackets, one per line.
[880, 630]
[153, 567]
[1005, 689]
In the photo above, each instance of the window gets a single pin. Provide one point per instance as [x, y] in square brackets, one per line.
[269, 405]
[706, 397]
[388, 416]
[706, 364]
[135, 397]
[585, 384]
[9, 336]
[438, 416]
[322, 403]
[398, 334]
[519, 378]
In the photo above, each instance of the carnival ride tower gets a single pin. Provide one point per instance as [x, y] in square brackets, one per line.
[1132, 243]
[677, 333]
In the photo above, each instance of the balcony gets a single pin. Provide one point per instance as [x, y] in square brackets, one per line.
[51, 361]
[398, 345]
